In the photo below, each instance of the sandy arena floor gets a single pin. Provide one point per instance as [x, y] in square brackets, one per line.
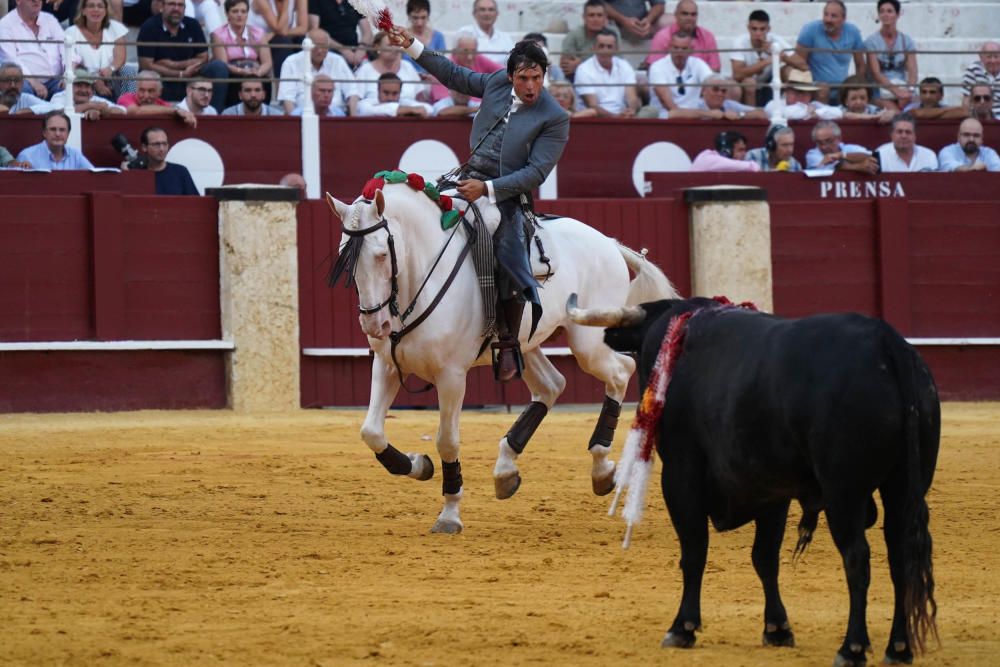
[201, 538]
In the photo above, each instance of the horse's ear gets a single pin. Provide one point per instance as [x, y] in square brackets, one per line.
[378, 203]
[339, 208]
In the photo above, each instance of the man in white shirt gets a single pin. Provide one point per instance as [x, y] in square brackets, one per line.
[291, 91]
[390, 103]
[322, 93]
[198, 99]
[40, 60]
[596, 78]
[903, 154]
[85, 102]
[676, 80]
[492, 43]
[752, 65]
[798, 95]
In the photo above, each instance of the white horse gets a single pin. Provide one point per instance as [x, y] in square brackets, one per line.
[398, 246]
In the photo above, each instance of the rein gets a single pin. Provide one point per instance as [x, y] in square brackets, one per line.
[347, 263]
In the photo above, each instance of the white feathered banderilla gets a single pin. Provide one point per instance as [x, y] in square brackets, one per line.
[637, 455]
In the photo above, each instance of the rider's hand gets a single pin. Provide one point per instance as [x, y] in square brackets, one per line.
[400, 37]
[472, 189]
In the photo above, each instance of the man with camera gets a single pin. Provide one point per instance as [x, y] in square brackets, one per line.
[171, 178]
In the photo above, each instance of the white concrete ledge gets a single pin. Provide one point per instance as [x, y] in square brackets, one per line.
[116, 345]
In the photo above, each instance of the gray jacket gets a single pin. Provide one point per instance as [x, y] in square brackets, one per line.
[535, 137]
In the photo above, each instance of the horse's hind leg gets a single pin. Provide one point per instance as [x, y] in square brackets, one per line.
[385, 385]
[546, 384]
[451, 392]
[614, 370]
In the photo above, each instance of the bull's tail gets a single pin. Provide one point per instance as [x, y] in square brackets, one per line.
[919, 604]
[650, 283]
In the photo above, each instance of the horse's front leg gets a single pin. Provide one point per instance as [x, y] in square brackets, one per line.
[451, 393]
[546, 384]
[385, 385]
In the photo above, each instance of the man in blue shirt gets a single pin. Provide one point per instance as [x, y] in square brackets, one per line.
[833, 32]
[53, 153]
[186, 60]
[171, 179]
[969, 154]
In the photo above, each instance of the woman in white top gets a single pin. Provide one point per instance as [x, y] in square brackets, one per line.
[284, 21]
[389, 59]
[100, 49]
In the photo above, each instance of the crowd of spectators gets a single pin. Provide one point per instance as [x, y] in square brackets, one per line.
[628, 58]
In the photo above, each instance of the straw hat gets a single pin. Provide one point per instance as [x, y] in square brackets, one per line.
[800, 80]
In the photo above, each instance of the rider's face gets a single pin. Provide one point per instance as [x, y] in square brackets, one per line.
[527, 83]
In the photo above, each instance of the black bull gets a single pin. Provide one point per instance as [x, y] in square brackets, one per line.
[825, 410]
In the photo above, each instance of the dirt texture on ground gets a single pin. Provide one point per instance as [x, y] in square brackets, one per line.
[193, 538]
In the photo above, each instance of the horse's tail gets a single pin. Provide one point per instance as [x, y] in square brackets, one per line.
[650, 283]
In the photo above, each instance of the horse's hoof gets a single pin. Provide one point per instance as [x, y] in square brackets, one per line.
[507, 485]
[898, 653]
[447, 527]
[678, 640]
[854, 660]
[426, 467]
[782, 637]
[605, 484]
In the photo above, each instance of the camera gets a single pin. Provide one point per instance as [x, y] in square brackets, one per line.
[132, 157]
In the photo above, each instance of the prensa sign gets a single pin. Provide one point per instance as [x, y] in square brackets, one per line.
[860, 190]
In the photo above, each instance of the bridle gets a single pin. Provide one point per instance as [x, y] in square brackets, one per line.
[347, 262]
[352, 262]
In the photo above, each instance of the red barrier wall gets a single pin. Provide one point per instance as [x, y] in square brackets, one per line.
[107, 267]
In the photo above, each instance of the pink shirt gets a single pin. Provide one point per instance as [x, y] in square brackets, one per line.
[36, 57]
[481, 64]
[251, 34]
[129, 100]
[709, 160]
[703, 39]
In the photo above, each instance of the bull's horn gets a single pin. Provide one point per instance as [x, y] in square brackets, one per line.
[612, 317]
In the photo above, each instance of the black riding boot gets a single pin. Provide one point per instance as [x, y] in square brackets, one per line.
[507, 361]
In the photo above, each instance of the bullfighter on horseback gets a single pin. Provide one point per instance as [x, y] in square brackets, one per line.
[517, 138]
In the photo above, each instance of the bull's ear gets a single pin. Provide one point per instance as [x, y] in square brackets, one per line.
[339, 208]
[378, 204]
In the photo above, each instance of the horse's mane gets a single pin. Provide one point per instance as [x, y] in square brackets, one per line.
[448, 214]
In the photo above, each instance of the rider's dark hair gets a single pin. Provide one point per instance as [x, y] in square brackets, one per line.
[526, 54]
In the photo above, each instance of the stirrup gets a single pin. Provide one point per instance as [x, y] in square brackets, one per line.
[497, 348]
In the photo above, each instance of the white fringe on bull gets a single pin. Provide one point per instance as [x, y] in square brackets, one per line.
[637, 455]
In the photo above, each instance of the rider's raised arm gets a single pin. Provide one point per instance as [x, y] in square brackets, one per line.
[450, 74]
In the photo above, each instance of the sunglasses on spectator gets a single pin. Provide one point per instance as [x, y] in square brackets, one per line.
[680, 86]
[980, 98]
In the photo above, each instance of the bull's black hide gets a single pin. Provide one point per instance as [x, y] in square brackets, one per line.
[827, 409]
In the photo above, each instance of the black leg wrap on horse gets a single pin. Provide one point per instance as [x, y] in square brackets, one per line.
[395, 461]
[604, 432]
[452, 477]
[526, 425]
